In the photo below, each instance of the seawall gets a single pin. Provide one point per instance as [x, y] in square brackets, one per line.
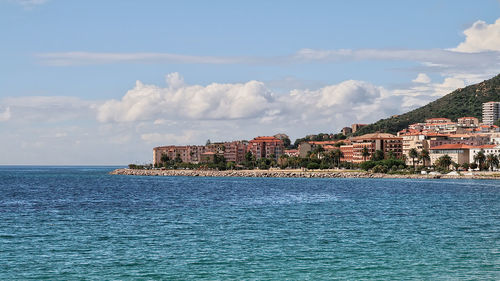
[292, 174]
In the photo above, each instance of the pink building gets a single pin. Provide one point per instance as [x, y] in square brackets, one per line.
[265, 147]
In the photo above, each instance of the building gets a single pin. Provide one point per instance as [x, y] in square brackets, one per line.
[487, 149]
[468, 122]
[292, 152]
[347, 153]
[389, 144]
[491, 112]
[186, 153]
[459, 153]
[418, 141]
[346, 131]
[207, 157]
[266, 147]
[356, 127]
[472, 139]
[235, 151]
[309, 146]
[437, 120]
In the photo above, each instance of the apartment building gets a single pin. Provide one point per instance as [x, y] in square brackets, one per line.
[387, 143]
[468, 122]
[265, 147]
[235, 151]
[187, 153]
[491, 112]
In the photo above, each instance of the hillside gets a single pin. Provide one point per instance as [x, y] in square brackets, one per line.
[459, 103]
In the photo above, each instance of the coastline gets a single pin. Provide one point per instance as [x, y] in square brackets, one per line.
[295, 174]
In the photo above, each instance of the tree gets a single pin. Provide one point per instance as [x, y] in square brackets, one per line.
[365, 153]
[413, 153]
[286, 142]
[339, 144]
[391, 155]
[230, 165]
[178, 158]
[318, 150]
[444, 162]
[492, 161]
[465, 166]
[337, 155]
[249, 160]
[378, 155]
[208, 142]
[480, 158]
[164, 158]
[424, 155]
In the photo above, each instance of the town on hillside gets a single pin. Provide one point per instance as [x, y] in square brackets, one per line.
[466, 144]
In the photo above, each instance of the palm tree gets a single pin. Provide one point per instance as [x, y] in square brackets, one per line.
[492, 161]
[424, 155]
[480, 158]
[365, 153]
[444, 161]
[337, 156]
[413, 154]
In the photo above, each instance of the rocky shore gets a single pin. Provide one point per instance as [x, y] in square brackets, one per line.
[292, 174]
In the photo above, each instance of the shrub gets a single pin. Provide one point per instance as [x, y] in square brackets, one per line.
[312, 166]
[379, 169]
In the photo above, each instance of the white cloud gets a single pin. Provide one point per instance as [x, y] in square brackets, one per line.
[186, 137]
[422, 78]
[149, 115]
[481, 37]
[245, 105]
[84, 58]
[5, 116]
[29, 3]
[47, 109]
[178, 101]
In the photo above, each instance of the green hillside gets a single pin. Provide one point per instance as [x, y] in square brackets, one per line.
[464, 102]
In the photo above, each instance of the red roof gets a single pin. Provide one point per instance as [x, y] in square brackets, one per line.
[486, 146]
[452, 146]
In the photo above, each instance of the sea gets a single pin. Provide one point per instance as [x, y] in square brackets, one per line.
[80, 223]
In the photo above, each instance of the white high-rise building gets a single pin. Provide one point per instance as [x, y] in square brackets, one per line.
[491, 112]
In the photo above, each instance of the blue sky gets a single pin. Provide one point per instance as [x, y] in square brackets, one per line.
[223, 70]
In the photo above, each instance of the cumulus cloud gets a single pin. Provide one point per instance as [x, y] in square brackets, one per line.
[177, 100]
[481, 37]
[422, 78]
[329, 106]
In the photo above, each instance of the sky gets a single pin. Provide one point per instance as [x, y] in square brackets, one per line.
[103, 82]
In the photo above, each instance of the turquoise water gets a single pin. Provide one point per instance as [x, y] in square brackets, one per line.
[61, 223]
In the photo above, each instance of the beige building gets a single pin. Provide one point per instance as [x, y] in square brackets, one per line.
[468, 122]
[459, 153]
[414, 141]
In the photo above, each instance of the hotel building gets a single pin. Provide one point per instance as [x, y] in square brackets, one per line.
[491, 112]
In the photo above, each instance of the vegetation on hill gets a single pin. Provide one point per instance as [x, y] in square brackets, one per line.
[463, 102]
[319, 137]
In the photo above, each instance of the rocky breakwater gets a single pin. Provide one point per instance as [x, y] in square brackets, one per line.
[268, 174]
